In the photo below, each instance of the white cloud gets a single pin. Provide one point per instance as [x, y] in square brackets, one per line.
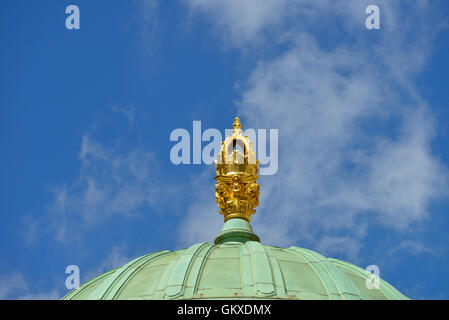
[148, 15]
[14, 286]
[241, 21]
[10, 284]
[128, 112]
[112, 181]
[116, 257]
[261, 25]
[354, 134]
[416, 248]
[52, 295]
[202, 221]
[337, 164]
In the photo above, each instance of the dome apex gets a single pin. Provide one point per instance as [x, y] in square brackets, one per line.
[236, 230]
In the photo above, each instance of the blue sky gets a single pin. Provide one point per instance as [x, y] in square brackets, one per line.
[86, 116]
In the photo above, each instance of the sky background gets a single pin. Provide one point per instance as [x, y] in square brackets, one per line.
[86, 116]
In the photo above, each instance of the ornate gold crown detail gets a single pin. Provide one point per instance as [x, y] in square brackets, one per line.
[237, 190]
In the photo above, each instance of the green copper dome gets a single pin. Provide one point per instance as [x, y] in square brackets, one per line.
[237, 266]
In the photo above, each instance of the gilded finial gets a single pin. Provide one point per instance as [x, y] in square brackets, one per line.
[237, 191]
[237, 125]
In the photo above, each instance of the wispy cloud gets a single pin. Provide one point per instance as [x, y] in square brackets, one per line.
[14, 286]
[109, 183]
[52, 295]
[202, 221]
[241, 22]
[113, 180]
[116, 257]
[149, 18]
[128, 112]
[416, 248]
[10, 284]
[354, 133]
